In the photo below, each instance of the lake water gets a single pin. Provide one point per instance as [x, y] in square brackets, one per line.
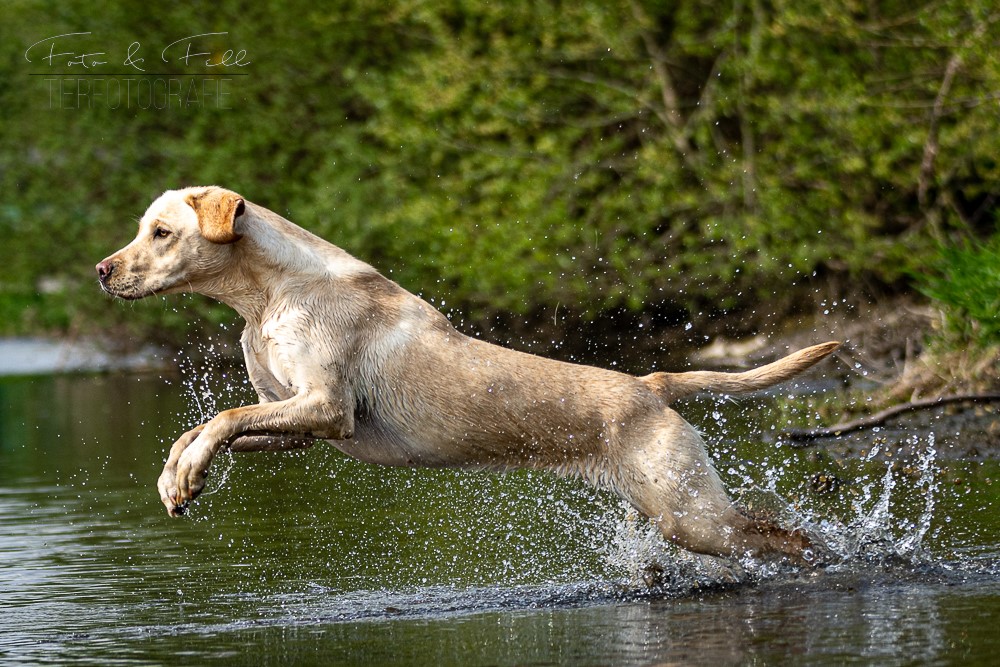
[312, 558]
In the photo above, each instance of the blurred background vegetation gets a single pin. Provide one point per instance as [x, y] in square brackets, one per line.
[530, 163]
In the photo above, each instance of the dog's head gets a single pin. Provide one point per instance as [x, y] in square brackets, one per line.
[185, 237]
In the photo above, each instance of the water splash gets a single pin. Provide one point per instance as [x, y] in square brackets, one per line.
[880, 530]
[911, 545]
[639, 559]
[887, 524]
[636, 549]
[208, 379]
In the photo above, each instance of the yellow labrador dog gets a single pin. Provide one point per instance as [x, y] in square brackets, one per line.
[338, 352]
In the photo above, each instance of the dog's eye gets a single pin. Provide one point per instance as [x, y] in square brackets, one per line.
[161, 233]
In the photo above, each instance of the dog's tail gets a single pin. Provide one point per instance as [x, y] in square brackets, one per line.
[672, 386]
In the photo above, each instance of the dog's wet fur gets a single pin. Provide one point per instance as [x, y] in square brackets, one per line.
[338, 352]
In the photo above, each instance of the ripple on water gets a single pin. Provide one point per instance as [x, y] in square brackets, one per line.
[91, 569]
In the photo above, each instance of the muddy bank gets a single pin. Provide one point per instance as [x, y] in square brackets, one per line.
[884, 361]
[961, 432]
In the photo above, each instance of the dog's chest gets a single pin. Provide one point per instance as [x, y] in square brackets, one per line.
[264, 365]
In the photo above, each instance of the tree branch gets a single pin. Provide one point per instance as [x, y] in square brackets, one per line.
[937, 111]
[668, 93]
[805, 436]
[931, 145]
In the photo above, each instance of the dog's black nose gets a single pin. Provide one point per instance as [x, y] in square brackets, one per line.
[104, 270]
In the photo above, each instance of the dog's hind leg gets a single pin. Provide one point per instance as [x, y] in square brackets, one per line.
[666, 474]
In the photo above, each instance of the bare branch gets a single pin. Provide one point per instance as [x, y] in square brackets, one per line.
[671, 115]
[937, 111]
[804, 436]
[637, 97]
[931, 145]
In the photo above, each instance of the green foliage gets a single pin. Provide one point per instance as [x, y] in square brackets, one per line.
[516, 157]
[965, 281]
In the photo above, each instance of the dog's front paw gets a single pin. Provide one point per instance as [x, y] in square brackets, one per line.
[190, 475]
[169, 494]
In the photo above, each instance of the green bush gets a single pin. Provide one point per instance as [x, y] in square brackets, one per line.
[965, 281]
[515, 157]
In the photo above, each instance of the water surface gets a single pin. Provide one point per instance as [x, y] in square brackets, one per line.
[315, 558]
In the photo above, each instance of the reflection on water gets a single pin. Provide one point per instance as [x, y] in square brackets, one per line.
[315, 558]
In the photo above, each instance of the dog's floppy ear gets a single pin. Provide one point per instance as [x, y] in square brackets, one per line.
[217, 211]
